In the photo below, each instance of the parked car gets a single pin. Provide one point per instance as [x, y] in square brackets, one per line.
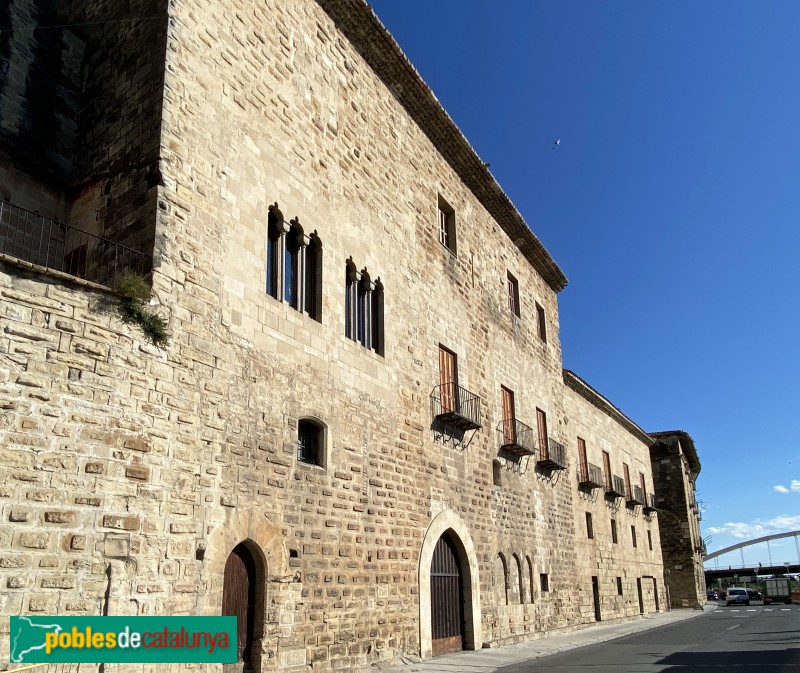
[712, 594]
[738, 596]
[755, 595]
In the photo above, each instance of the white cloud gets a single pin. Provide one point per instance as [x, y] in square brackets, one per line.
[747, 531]
[793, 486]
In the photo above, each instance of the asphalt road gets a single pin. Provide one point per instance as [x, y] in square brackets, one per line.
[729, 639]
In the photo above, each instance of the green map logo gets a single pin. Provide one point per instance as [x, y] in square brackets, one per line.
[123, 640]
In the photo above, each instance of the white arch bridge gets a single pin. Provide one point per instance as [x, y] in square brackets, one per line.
[765, 567]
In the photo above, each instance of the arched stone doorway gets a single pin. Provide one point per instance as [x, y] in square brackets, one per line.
[247, 531]
[448, 580]
[239, 588]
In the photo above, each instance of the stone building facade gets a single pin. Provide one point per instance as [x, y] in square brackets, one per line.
[361, 411]
[676, 467]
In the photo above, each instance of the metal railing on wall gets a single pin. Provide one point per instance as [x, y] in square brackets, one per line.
[29, 236]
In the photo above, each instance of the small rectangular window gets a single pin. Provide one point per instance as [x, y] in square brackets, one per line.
[310, 440]
[619, 586]
[650, 540]
[544, 583]
[589, 527]
[540, 323]
[614, 531]
[447, 225]
[512, 286]
[633, 535]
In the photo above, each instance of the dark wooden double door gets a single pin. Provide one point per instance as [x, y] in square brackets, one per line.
[447, 598]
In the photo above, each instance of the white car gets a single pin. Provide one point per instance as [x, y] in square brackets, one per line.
[737, 595]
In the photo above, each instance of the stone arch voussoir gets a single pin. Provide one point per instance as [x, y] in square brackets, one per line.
[443, 522]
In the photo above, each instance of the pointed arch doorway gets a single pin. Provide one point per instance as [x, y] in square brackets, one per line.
[449, 589]
[447, 598]
[239, 600]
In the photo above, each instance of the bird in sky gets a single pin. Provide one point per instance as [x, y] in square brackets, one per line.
[556, 144]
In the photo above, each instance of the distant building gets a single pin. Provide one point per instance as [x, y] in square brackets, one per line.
[675, 470]
[359, 439]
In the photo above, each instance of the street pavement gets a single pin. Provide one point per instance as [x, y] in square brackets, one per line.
[490, 660]
[740, 639]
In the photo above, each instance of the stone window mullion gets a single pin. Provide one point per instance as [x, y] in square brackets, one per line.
[301, 273]
[282, 254]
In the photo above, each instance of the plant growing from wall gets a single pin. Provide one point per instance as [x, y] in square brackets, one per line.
[134, 292]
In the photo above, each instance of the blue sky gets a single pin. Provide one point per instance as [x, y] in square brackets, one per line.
[672, 205]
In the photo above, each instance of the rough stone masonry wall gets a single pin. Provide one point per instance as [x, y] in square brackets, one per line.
[601, 556]
[680, 534]
[81, 89]
[40, 88]
[147, 467]
[116, 169]
[300, 121]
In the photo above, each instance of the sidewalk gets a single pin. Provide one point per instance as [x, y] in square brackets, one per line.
[491, 659]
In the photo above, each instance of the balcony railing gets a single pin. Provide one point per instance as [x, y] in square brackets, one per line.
[635, 496]
[56, 246]
[616, 489]
[455, 407]
[516, 437]
[650, 503]
[553, 456]
[591, 476]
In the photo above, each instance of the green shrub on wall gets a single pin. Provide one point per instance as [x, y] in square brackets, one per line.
[134, 293]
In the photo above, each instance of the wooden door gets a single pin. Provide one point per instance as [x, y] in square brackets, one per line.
[509, 421]
[607, 469]
[447, 598]
[655, 593]
[541, 424]
[448, 379]
[582, 458]
[238, 598]
[596, 597]
[627, 472]
[641, 597]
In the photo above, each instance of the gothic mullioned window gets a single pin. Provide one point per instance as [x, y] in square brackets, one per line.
[294, 265]
[363, 308]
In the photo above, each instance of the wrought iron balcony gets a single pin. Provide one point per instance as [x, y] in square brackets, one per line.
[455, 407]
[516, 437]
[616, 489]
[591, 476]
[650, 503]
[553, 456]
[53, 245]
[635, 496]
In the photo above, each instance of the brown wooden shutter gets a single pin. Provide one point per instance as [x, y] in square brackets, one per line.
[509, 424]
[541, 423]
[582, 457]
[607, 469]
[448, 379]
[627, 480]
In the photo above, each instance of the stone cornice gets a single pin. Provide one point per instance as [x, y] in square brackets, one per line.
[576, 383]
[356, 20]
[687, 445]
